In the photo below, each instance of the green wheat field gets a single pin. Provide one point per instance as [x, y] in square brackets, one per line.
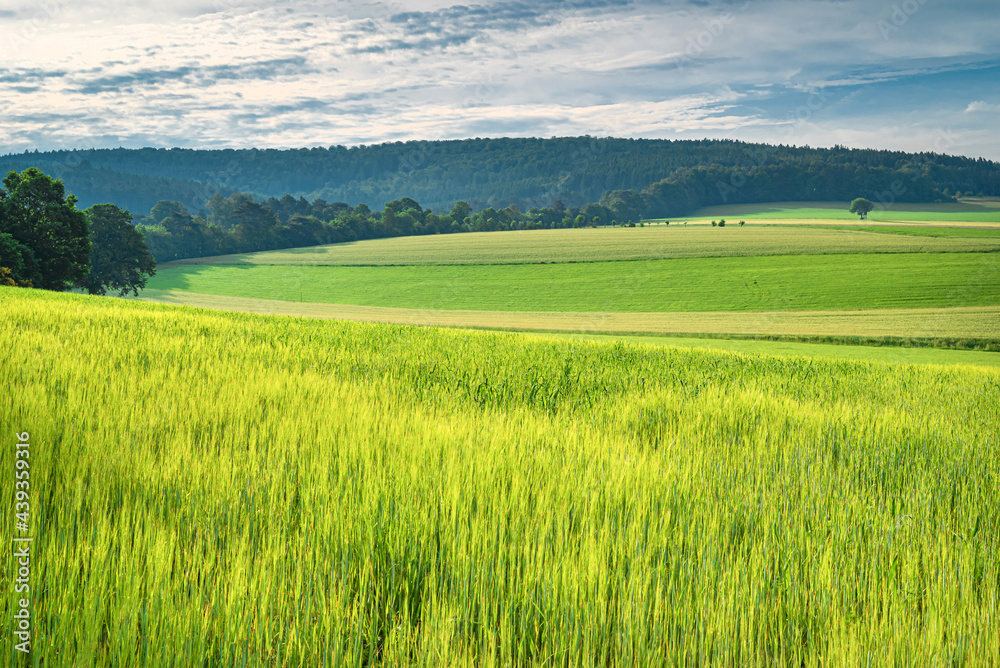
[226, 489]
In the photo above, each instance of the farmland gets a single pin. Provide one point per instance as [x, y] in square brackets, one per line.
[843, 283]
[236, 489]
[978, 211]
[657, 242]
[798, 282]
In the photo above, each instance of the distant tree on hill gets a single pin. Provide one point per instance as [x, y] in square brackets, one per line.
[119, 258]
[164, 209]
[44, 238]
[862, 207]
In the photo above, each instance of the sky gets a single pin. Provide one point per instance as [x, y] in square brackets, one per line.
[915, 75]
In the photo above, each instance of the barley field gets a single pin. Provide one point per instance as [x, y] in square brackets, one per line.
[228, 489]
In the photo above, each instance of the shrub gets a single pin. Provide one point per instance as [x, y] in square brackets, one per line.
[722, 223]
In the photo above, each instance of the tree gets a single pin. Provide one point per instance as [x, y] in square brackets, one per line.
[624, 204]
[460, 211]
[862, 207]
[164, 209]
[119, 257]
[44, 238]
[256, 226]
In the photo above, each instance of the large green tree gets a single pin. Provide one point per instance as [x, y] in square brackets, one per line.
[44, 238]
[862, 207]
[119, 258]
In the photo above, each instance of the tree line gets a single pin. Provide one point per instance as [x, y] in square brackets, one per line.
[47, 242]
[105, 251]
[241, 224]
[526, 172]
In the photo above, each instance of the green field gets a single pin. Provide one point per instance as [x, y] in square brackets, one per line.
[604, 244]
[914, 231]
[697, 284]
[966, 211]
[897, 354]
[227, 489]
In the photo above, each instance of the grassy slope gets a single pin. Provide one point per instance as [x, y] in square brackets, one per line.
[224, 489]
[591, 245]
[698, 284]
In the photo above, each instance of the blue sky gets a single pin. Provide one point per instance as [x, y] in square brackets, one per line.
[905, 74]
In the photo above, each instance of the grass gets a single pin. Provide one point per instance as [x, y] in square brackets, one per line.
[225, 489]
[908, 355]
[968, 211]
[697, 284]
[937, 232]
[947, 327]
[602, 244]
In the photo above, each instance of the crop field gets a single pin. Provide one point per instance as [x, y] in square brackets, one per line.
[606, 244]
[980, 323]
[229, 489]
[921, 231]
[960, 212]
[765, 283]
[907, 355]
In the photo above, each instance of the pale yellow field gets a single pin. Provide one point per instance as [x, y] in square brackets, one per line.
[966, 322]
[602, 244]
[862, 225]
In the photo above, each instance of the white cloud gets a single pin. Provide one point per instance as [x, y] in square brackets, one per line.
[249, 73]
[980, 105]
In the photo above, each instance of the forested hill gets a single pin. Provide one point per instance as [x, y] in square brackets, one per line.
[676, 175]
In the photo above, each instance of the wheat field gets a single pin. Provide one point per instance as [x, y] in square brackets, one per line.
[229, 489]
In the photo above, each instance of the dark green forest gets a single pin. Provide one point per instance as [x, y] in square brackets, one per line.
[524, 172]
[204, 203]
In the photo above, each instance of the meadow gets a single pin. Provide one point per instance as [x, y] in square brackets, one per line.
[955, 327]
[882, 353]
[921, 231]
[228, 489]
[757, 283]
[982, 211]
[653, 242]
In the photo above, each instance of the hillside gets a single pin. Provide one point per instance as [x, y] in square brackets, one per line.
[677, 176]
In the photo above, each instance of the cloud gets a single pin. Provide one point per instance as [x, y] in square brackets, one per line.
[248, 73]
[263, 70]
[980, 105]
